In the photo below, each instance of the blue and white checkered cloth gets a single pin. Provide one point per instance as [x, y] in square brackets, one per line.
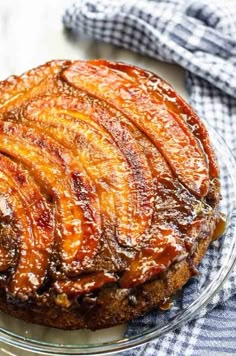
[201, 37]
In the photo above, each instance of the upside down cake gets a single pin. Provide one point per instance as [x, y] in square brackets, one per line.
[109, 193]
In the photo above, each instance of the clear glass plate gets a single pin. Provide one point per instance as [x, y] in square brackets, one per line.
[191, 301]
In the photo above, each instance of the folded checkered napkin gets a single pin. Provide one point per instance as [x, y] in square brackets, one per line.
[201, 37]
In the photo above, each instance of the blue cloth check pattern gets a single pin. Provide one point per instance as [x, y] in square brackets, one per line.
[201, 37]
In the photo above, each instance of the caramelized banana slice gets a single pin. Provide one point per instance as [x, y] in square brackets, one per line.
[21, 216]
[15, 90]
[93, 133]
[182, 153]
[162, 249]
[77, 215]
[35, 247]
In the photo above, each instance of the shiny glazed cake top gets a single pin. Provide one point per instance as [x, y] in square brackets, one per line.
[106, 176]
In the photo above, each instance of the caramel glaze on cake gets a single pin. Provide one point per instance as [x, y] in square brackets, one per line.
[109, 193]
